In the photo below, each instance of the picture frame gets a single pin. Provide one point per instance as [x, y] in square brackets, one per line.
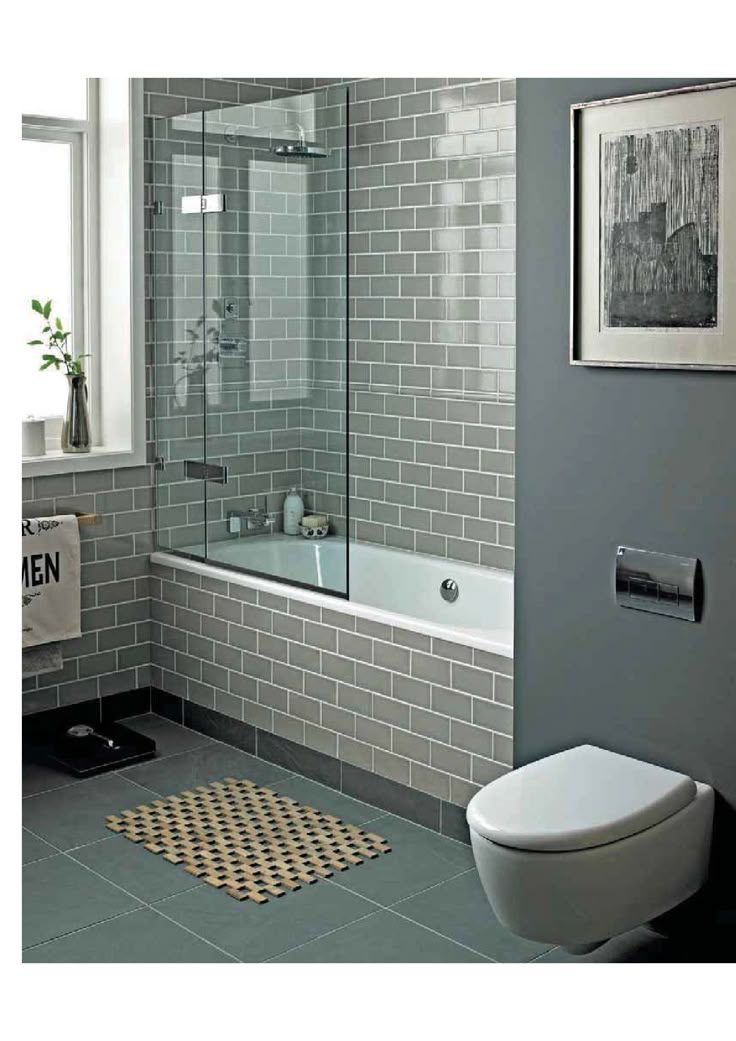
[653, 229]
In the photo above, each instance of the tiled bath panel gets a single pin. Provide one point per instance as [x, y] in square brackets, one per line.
[429, 714]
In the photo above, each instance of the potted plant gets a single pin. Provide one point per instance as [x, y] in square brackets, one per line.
[75, 429]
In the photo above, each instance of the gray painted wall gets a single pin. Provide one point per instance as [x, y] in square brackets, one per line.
[607, 457]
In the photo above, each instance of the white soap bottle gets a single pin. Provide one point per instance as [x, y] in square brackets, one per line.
[293, 512]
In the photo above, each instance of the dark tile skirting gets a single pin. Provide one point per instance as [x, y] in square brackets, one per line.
[434, 813]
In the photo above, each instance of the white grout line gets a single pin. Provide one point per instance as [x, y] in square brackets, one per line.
[82, 929]
[392, 909]
[151, 791]
[145, 903]
[466, 871]
[485, 957]
[314, 939]
[56, 788]
[83, 845]
[139, 900]
[186, 929]
[38, 860]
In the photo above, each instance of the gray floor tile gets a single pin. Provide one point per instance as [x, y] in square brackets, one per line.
[60, 896]
[143, 874]
[460, 909]
[75, 815]
[419, 858]
[35, 848]
[256, 932]
[203, 765]
[382, 937]
[644, 946]
[142, 936]
[170, 738]
[38, 777]
[310, 793]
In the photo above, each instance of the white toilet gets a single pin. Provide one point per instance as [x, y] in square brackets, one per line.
[583, 845]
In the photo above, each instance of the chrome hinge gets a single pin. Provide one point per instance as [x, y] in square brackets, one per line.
[205, 471]
[203, 203]
[157, 207]
[159, 462]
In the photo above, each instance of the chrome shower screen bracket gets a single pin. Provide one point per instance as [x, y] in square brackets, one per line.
[197, 471]
[213, 203]
[658, 582]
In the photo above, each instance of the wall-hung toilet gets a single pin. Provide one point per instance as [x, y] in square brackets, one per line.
[585, 844]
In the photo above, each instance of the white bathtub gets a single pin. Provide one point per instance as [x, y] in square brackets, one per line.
[386, 585]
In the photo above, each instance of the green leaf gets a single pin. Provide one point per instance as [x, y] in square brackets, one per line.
[47, 363]
[47, 309]
[36, 305]
[59, 326]
[35, 343]
[46, 329]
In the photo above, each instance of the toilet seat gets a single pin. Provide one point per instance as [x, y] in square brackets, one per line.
[577, 799]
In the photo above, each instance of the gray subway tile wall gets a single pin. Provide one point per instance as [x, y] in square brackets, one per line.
[431, 450]
[432, 316]
[113, 654]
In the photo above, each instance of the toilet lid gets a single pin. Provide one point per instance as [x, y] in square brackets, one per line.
[577, 799]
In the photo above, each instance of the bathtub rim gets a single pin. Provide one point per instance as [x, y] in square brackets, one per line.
[340, 604]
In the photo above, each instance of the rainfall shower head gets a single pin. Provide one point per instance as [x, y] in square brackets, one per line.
[299, 149]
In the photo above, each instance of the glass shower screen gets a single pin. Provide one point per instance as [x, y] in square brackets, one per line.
[250, 252]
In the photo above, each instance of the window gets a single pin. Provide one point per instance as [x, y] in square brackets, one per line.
[59, 248]
[82, 175]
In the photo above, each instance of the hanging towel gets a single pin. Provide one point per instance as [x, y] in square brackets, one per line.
[38, 660]
[50, 580]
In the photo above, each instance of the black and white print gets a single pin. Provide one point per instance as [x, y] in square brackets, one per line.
[659, 228]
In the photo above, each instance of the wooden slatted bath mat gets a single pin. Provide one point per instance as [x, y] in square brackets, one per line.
[246, 839]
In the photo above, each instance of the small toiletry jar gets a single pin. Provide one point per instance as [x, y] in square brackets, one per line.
[316, 526]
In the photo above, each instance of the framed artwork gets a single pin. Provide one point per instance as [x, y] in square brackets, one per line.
[653, 243]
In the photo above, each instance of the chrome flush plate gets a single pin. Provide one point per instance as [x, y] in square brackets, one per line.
[658, 582]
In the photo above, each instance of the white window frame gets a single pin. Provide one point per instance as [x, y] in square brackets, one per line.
[107, 277]
[82, 137]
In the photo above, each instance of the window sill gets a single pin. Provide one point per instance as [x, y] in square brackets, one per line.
[98, 458]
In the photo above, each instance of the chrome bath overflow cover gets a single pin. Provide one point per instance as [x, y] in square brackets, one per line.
[450, 590]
